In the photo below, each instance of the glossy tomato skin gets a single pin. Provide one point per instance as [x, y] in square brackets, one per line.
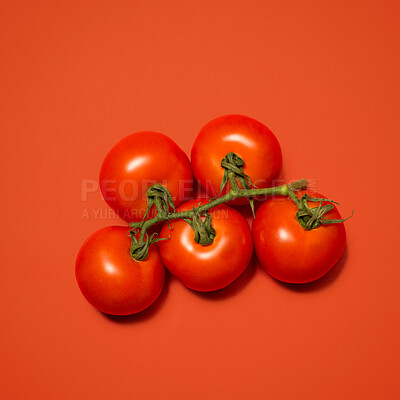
[287, 251]
[245, 136]
[207, 268]
[110, 280]
[137, 162]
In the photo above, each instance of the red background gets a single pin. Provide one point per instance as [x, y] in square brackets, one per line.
[77, 76]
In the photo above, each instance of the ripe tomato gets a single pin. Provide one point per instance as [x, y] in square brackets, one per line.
[110, 280]
[212, 267]
[287, 251]
[244, 136]
[137, 162]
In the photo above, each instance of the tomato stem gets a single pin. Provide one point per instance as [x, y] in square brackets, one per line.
[312, 218]
[145, 241]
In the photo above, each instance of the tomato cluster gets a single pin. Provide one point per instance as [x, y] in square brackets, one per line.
[116, 283]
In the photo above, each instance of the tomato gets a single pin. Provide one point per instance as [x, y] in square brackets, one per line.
[244, 136]
[111, 280]
[137, 162]
[212, 267]
[287, 251]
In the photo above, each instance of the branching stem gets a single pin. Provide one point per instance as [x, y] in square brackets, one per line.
[236, 193]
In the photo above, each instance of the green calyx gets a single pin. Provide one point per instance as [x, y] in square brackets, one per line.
[233, 166]
[160, 197]
[312, 218]
[139, 250]
[204, 233]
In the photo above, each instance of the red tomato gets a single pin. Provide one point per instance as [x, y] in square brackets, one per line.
[111, 280]
[137, 162]
[212, 267]
[244, 136]
[287, 251]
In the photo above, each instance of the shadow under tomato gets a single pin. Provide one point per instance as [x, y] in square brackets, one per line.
[146, 314]
[235, 287]
[322, 282]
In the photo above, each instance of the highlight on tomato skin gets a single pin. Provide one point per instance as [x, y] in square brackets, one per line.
[250, 139]
[110, 280]
[211, 267]
[290, 253]
[137, 162]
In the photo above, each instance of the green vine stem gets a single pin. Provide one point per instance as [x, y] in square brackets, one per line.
[199, 218]
[139, 248]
